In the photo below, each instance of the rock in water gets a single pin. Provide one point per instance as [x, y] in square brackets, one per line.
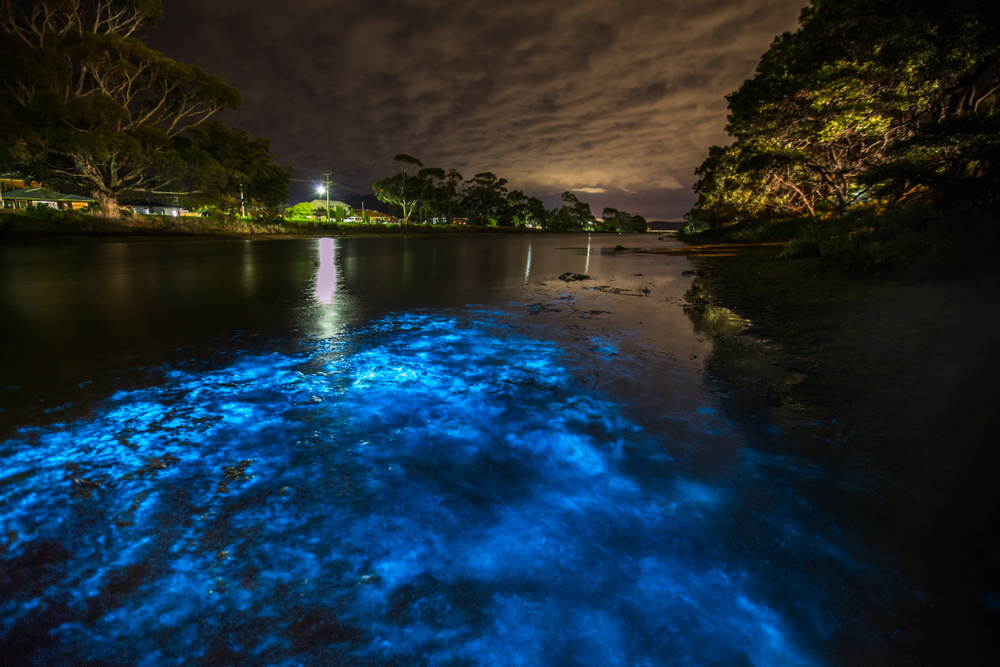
[569, 277]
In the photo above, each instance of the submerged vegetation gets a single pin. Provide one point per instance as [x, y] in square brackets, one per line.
[870, 136]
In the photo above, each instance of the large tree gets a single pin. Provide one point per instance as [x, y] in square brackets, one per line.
[614, 220]
[405, 191]
[84, 102]
[485, 196]
[573, 215]
[239, 172]
[889, 99]
[440, 191]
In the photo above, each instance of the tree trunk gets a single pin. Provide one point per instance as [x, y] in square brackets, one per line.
[108, 202]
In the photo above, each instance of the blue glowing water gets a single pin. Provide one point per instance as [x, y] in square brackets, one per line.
[430, 488]
[427, 451]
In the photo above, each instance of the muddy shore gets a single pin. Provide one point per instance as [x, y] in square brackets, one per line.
[894, 382]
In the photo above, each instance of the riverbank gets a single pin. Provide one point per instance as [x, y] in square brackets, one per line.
[59, 225]
[892, 382]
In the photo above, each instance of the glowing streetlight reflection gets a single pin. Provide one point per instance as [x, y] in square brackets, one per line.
[326, 277]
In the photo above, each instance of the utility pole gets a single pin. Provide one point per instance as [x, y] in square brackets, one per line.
[326, 186]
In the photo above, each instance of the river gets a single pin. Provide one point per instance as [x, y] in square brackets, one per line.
[399, 451]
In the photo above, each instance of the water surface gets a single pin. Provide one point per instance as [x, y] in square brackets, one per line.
[394, 451]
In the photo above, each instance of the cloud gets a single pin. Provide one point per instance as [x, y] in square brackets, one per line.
[622, 97]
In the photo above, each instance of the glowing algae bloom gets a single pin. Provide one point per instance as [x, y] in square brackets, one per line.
[427, 485]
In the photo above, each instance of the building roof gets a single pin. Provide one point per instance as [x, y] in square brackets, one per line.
[321, 203]
[42, 194]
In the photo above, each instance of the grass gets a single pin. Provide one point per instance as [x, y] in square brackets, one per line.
[50, 222]
[356, 228]
[47, 222]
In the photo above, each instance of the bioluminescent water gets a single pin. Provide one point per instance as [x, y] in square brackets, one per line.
[398, 452]
[427, 485]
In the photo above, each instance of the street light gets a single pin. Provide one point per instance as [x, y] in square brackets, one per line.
[325, 188]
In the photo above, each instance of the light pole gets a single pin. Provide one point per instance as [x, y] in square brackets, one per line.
[326, 188]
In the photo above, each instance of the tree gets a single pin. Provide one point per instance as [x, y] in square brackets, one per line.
[402, 190]
[440, 189]
[620, 221]
[574, 215]
[484, 196]
[885, 100]
[87, 104]
[301, 211]
[514, 211]
[246, 176]
[535, 213]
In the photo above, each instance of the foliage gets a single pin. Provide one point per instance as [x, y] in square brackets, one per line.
[239, 172]
[482, 200]
[890, 102]
[35, 221]
[301, 211]
[440, 193]
[85, 104]
[485, 197]
[403, 191]
[614, 220]
[339, 213]
[574, 215]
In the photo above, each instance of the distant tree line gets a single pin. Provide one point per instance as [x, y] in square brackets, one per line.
[431, 193]
[870, 103]
[85, 105]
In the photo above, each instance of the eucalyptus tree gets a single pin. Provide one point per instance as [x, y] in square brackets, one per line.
[574, 215]
[239, 172]
[484, 196]
[404, 190]
[86, 103]
[513, 212]
[535, 213]
[440, 191]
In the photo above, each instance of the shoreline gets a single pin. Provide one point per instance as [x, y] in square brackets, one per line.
[146, 234]
[889, 385]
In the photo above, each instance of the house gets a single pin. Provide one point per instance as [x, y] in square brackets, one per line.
[373, 216]
[37, 196]
[11, 181]
[320, 205]
[150, 206]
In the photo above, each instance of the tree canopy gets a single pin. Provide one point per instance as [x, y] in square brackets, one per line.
[886, 102]
[485, 200]
[84, 102]
[238, 170]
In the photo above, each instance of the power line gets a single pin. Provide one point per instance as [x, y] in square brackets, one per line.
[339, 181]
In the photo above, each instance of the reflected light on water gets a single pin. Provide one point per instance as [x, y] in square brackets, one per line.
[527, 270]
[326, 277]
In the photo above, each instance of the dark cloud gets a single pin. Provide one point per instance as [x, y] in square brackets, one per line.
[619, 100]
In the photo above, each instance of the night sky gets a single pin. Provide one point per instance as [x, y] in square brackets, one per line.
[618, 101]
